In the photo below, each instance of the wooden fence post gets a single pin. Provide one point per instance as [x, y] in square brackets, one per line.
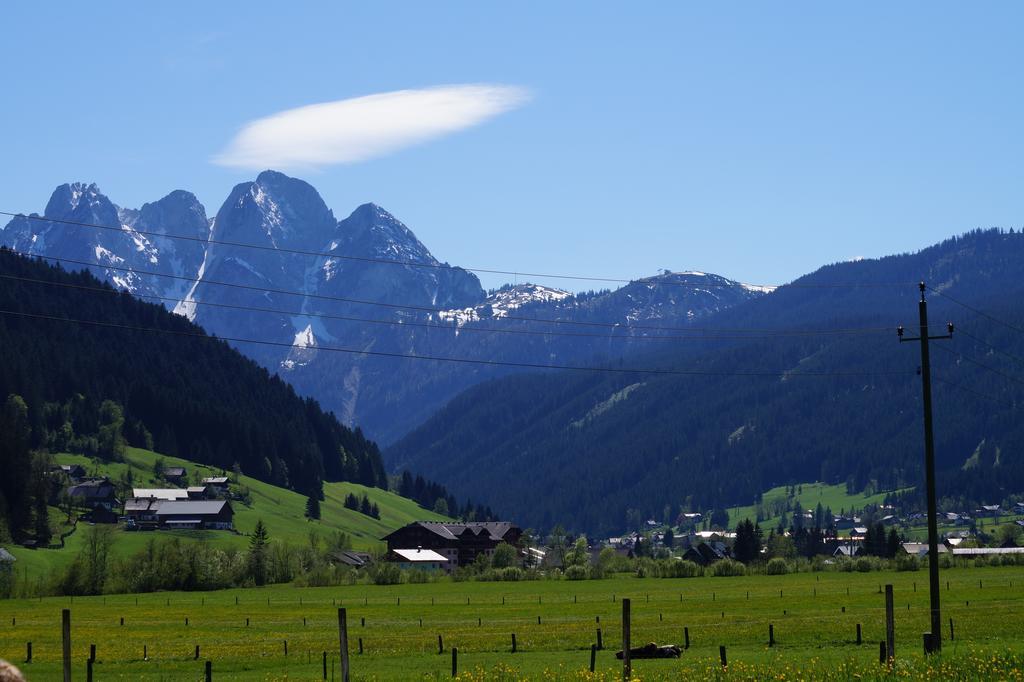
[771, 634]
[513, 642]
[343, 642]
[721, 655]
[890, 625]
[858, 634]
[600, 643]
[65, 617]
[28, 652]
[950, 630]
[209, 671]
[627, 664]
[455, 661]
[440, 645]
[325, 665]
[593, 656]
[686, 638]
[88, 670]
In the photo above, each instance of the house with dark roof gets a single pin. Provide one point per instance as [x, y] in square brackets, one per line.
[706, 553]
[209, 514]
[459, 543]
[75, 472]
[93, 493]
[175, 475]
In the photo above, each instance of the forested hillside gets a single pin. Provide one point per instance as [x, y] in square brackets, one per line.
[134, 370]
[807, 383]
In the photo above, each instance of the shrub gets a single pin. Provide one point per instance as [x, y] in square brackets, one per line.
[907, 562]
[727, 568]
[681, 569]
[777, 566]
[386, 573]
[863, 565]
[576, 572]
[512, 574]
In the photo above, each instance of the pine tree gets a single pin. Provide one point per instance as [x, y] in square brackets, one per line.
[312, 507]
[258, 553]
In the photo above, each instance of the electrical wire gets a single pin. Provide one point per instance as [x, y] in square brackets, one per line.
[981, 364]
[1015, 358]
[443, 266]
[979, 394]
[982, 313]
[435, 310]
[393, 323]
[499, 363]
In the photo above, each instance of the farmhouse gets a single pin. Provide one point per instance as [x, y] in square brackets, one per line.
[213, 514]
[93, 493]
[161, 493]
[175, 475]
[75, 472]
[920, 549]
[458, 543]
[422, 559]
[706, 553]
[217, 485]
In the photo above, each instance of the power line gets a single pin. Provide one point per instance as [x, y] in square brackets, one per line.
[975, 310]
[435, 310]
[393, 323]
[979, 394]
[1013, 357]
[528, 365]
[442, 266]
[981, 364]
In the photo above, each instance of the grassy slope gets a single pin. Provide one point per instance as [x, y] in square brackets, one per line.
[282, 511]
[834, 496]
[815, 625]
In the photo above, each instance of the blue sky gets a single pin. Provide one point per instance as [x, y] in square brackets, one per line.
[756, 141]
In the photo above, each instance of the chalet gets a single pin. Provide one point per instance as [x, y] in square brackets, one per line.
[458, 543]
[94, 492]
[175, 475]
[141, 510]
[419, 558]
[848, 550]
[75, 472]
[6, 559]
[706, 553]
[347, 557]
[988, 511]
[920, 549]
[161, 493]
[197, 492]
[211, 514]
[216, 485]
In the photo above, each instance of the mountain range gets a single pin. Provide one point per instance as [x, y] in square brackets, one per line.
[808, 383]
[333, 306]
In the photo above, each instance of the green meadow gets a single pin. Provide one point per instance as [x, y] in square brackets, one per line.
[282, 511]
[814, 615]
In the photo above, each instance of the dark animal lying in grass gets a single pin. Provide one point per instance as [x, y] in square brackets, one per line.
[652, 650]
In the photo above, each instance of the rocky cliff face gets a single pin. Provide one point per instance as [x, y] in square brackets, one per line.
[333, 303]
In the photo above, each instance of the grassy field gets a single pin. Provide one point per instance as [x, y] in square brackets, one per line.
[810, 495]
[283, 512]
[815, 621]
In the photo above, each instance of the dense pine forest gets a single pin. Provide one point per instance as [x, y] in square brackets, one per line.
[143, 376]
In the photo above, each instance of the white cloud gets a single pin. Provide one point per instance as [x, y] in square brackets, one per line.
[362, 128]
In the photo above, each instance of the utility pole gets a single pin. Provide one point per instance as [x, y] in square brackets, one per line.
[934, 642]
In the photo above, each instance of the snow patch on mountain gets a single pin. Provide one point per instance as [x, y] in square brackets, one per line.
[500, 303]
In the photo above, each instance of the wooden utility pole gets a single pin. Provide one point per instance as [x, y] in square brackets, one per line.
[935, 640]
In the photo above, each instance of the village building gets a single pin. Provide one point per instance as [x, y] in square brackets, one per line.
[176, 475]
[920, 549]
[347, 557]
[74, 472]
[95, 493]
[209, 514]
[706, 553]
[216, 485]
[161, 493]
[458, 543]
[421, 559]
